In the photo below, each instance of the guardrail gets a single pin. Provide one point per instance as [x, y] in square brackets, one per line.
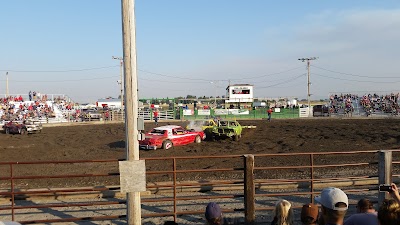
[254, 177]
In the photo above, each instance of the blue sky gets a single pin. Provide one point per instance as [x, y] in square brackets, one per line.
[54, 47]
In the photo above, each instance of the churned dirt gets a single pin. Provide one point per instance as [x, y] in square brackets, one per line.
[106, 141]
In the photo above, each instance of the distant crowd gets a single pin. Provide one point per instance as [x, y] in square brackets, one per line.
[17, 108]
[370, 103]
[343, 101]
[384, 103]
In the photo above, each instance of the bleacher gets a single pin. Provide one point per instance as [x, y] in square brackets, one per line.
[44, 109]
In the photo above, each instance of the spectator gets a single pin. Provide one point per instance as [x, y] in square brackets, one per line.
[334, 205]
[395, 193]
[309, 214]
[214, 215]
[389, 212]
[283, 213]
[269, 111]
[155, 115]
[366, 214]
[170, 223]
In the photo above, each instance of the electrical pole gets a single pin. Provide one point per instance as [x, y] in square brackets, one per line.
[121, 60]
[131, 102]
[308, 82]
[7, 84]
[215, 97]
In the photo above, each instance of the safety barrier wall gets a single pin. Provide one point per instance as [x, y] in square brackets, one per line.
[261, 113]
[254, 177]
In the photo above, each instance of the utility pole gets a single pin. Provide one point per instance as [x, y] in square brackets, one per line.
[121, 60]
[215, 97]
[7, 84]
[308, 81]
[131, 102]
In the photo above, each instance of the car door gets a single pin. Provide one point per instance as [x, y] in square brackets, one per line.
[181, 136]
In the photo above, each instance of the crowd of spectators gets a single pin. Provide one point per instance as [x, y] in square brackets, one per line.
[370, 103]
[384, 103]
[343, 101]
[17, 108]
[334, 205]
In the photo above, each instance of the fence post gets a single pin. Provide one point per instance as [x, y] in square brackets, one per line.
[249, 189]
[384, 172]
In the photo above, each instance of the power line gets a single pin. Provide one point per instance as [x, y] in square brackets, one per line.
[59, 71]
[54, 81]
[182, 82]
[284, 82]
[185, 78]
[350, 74]
[271, 74]
[360, 81]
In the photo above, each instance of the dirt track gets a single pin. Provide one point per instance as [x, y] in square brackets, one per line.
[88, 142]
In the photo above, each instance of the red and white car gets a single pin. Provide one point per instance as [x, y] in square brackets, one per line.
[168, 136]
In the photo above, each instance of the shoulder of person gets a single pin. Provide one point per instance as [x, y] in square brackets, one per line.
[231, 221]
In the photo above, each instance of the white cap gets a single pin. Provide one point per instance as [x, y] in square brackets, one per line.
[331, 196]
[9, 223]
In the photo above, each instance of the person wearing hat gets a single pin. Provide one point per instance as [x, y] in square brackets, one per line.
[334, 205]
[309, 214]
[366, 214]
[214, 215]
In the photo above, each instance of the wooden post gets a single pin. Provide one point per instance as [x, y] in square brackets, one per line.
[131, 102]
[249, 189]
[385, 172]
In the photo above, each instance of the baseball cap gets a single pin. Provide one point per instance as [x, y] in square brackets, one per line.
[213, 211]
[309, 211]
[331, 196]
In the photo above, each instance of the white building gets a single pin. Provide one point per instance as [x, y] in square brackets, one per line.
[113, 103]
[239, 95]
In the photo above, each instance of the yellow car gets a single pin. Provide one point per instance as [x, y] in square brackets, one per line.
[201, 125]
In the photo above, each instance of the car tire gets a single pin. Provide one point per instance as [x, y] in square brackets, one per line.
[236, 137]
[167, 144]
[22, 132]
[197, 139]
[7, 130]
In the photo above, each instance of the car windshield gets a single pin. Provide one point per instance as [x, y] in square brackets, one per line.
[156, 131]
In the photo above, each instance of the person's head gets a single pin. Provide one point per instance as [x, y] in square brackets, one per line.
[284, 212]
[364, 205]
[334, 204]
[389, 212]
[170, 223]
[309, 214]
[213, 214]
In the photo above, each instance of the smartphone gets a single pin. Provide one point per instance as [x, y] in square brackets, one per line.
[385, 187]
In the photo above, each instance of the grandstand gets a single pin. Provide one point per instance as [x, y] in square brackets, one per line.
[364, 105]
[45, 108]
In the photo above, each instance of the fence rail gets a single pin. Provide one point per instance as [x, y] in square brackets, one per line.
[254, 177]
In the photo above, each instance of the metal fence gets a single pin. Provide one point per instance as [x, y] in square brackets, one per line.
[254, 177]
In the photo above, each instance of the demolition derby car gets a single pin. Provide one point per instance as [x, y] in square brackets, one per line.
[168, 136]
[217, 128]
[25, 127]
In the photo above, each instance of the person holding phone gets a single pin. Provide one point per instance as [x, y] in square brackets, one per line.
[389, 211]
[394, 192]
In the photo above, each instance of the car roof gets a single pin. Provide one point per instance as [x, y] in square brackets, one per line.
[167, 127]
